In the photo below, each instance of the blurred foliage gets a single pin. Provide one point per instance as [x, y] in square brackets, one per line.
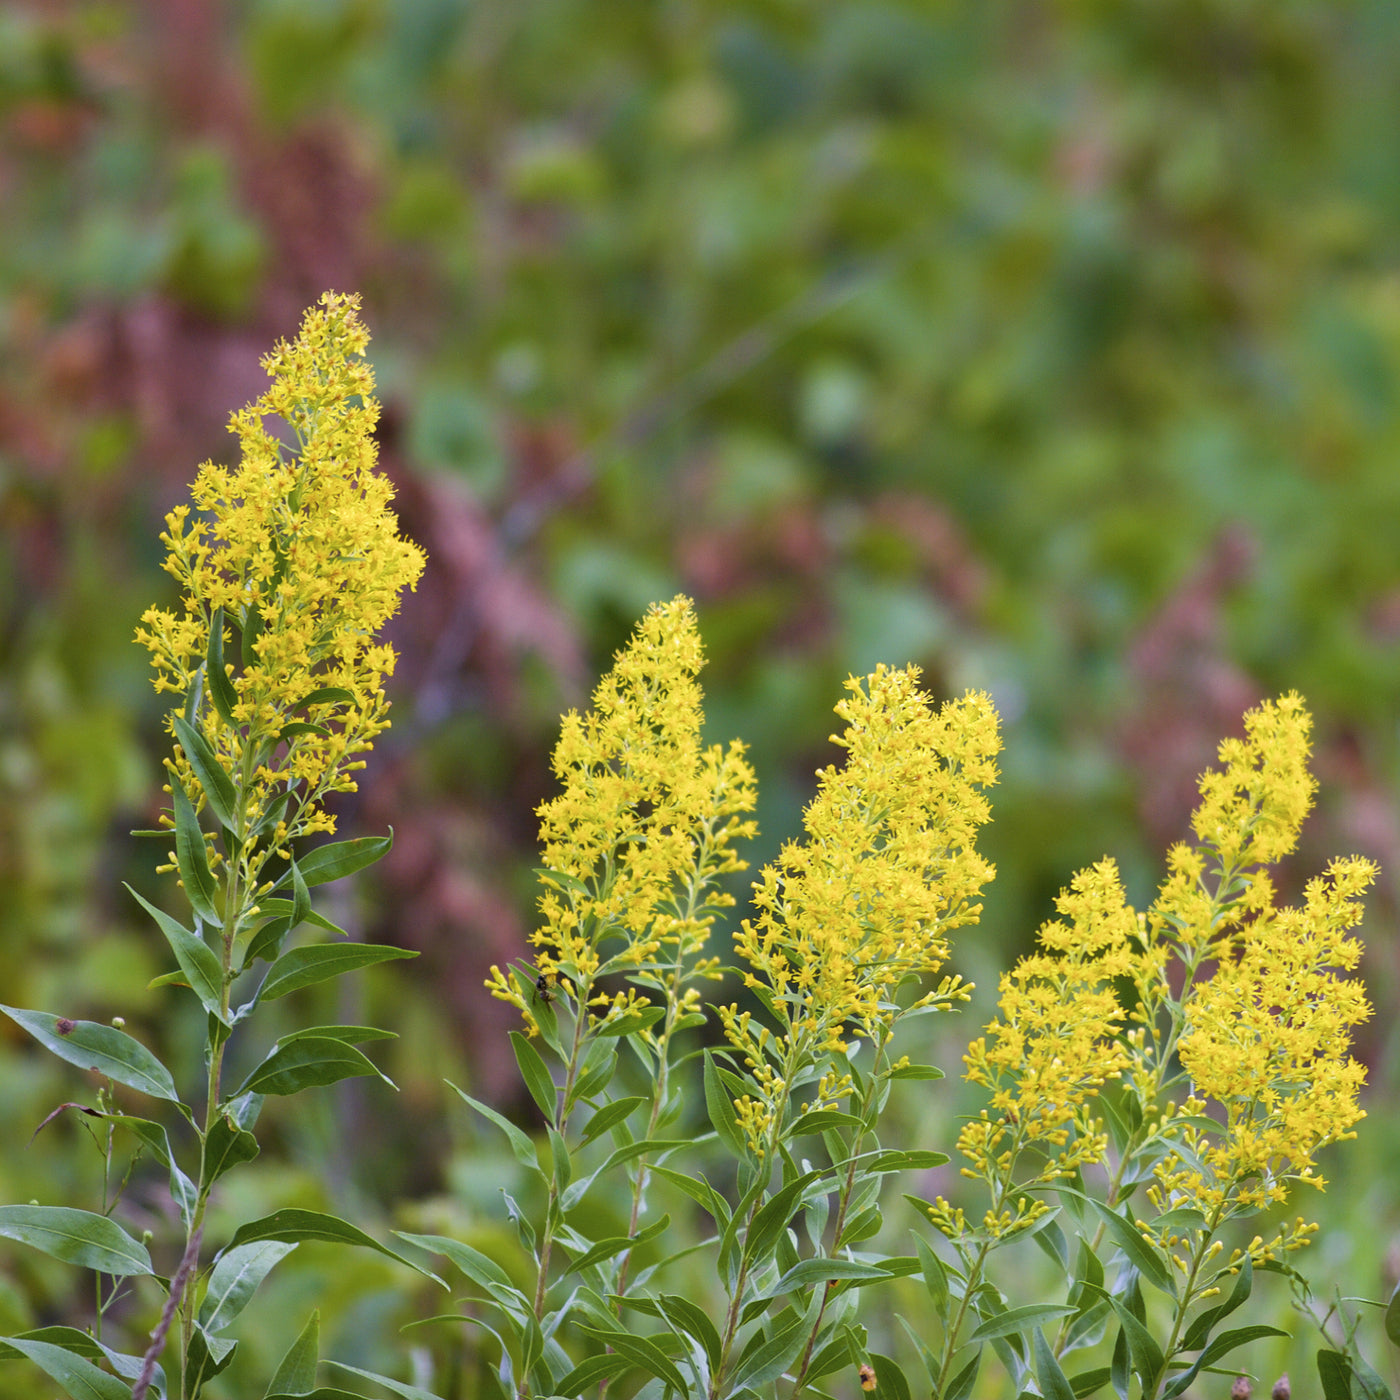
[1054, 346]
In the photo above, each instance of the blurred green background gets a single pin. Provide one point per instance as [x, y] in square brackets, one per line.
[1054, 346]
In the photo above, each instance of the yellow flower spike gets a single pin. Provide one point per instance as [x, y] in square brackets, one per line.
[299, 548]
[889, 865]
[644, 810]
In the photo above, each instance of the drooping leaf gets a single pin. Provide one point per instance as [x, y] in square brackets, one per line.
[472, 1262]
[79, 1237]
[102, 1049]
[303, 967]
[608, 1248]
[197, 960]
[694, 1321]
[1018, 1320]
[1143, 1257]
[890, 1381]
[76, 1374]
[1334, 1371]
[521, 1145]
[296, 1225]
[408, 1392]
[808, 1272]
[307, 1063]
[83, 1344]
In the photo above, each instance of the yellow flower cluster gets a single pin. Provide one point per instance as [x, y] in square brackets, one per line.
[1051, 1049]
[1267, 1035]
[646, 822]
[889, 866]
[298, 549]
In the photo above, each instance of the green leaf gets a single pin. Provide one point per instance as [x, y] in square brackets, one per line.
[296, 1372]
[536, 1075]
[235, 1279]
[351, 1035]
[807, 1272]
[721, 1111]
[771, 1219]
[700, 1191]
[643, 1352]
[309, 1062]
[182, 1189]
[1032, 1316]
[219, 791]
[275, 906]
[408, 1392]
[77, 1237]
[303, 967]
[592, 1370]
[935, 1276]
[1199, 1332]
[1053, 1385]
[82, 1344]
[77, 1375]
[298, 727]
[768, 1355]
[609, 1116]
[916, 1072]
[632, 1022]
[822, 1120]
[197, 960]
[221, 690]
[694, 1321]
[102, 1049]
[1225, 1343]
[1118, 1372]
[301, 896]
[606, 1249]
[341, 858]
[960, 1387]
[890, 1381]
[226, 1146]
[1334, 1371]
[192, 859]
[1146, 1355]
[297, 1225]
[915, 1159]
[1087, 1382]
[1143, 1257]
[1392, 1317]
[471, 1262]
[521, 1145]
[206, 1358]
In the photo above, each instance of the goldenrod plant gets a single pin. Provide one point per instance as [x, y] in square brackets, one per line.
[703, 1206]
[289, 565]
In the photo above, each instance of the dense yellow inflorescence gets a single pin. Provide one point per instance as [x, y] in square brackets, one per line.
[298, 549]
[647, 816]
[888, 868]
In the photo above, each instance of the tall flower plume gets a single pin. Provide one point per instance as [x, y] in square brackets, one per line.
[289, 565]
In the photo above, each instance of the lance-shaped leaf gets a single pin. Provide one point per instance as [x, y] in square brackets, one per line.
[221, 690]
[302, 967]
[196, 958]
[342, 858]
[721, 1110]
[192, 859]
[472, 1262]
[218, 787]
[102, 1049]
[77, 1237]
[76, 1374]
[1053, 1383]
[83, 1344]
[307, 1063]
[521, 1145]
[536, 1075]
[235, 1278]
[296, 1225]
[408, 1392]
[643, 1352]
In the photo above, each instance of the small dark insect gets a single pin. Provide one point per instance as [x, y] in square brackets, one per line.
[867, 1376]
[545, 984]
[64, 1026]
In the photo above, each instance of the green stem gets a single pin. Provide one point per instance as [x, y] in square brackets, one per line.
[1198, 1258]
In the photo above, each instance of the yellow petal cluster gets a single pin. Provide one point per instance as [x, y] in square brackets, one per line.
[1052, 1047]
[646, 813]
[298, 546]
[889, 865]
